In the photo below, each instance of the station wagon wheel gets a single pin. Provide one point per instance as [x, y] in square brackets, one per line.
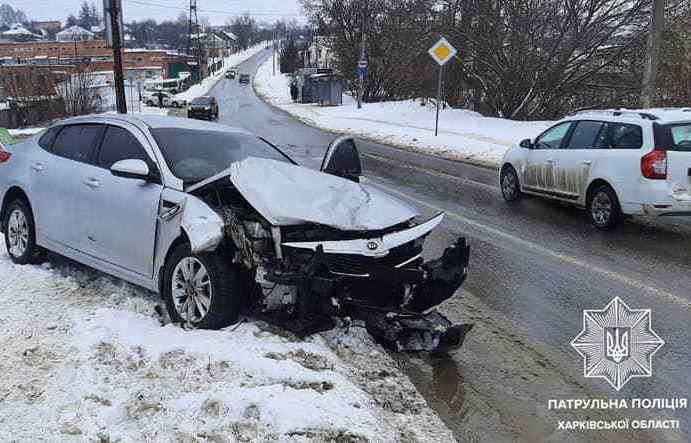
[20, 234]
[603, 208]
[203, 290]
[510, 186]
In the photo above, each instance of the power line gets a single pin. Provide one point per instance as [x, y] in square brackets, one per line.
[216, 11]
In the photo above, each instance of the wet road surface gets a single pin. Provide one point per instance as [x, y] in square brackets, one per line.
[535, 266]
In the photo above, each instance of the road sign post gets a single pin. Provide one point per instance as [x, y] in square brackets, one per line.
[361, 70]
[442, 52]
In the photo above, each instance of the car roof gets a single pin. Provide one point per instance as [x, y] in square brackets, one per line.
[659, 115]
[154, 122]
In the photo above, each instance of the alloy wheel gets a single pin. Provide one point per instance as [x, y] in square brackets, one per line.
[509, 185]
[191, 288]
[601, 208]
[18, 233]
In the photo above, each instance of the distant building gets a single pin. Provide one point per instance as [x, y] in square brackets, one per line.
[24, 51]
[51, 26]
[75, 33]
[18, 33]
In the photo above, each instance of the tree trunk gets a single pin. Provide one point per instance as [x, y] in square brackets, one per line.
[657, 24]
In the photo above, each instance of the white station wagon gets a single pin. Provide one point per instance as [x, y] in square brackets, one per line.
[613, 163]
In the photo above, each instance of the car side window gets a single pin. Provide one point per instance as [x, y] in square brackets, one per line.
[46, 141]
[76, 142]
[119, 144]
[622, 136]
[586, 135]
[553, 138]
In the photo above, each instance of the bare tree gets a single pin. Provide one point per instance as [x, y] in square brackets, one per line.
[518, 58]
[657, 25]
[78, 92]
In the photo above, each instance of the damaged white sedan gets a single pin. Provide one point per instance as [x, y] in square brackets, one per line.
[220, 222]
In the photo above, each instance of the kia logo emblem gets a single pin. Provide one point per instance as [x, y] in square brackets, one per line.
[372, 246]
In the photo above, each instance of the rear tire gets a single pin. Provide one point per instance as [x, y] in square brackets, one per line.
[204, 290]
[510, 186]
[20, 234]
[603, 208]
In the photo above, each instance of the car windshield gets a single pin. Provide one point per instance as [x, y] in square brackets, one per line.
[194, 155]
[201, 101]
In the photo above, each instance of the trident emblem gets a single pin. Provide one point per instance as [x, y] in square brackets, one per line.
[617, 345]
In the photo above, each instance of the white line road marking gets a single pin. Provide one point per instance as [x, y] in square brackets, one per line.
[435, 173]
[541, 249]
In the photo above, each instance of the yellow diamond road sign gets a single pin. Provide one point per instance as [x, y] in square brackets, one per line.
[442, 51]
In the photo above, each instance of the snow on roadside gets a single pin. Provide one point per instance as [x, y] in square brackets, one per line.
[25, 132]
[463, 135]
[208, 83]
[84, 356]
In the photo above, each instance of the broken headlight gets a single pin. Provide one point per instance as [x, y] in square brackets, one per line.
[419, 242]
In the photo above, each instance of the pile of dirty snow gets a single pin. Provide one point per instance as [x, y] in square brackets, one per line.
[86, 356]
[463, 135]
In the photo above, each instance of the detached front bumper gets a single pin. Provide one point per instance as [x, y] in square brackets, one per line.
[392, 293]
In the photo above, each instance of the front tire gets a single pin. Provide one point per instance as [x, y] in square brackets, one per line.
[20, 234]
[603, 208]
[203, 290]
[510, 186]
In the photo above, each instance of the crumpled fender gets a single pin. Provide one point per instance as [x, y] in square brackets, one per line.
[204, 227]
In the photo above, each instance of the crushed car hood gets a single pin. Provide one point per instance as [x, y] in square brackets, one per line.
[287, 195]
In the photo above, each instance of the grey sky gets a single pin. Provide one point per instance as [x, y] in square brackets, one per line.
[216, 10]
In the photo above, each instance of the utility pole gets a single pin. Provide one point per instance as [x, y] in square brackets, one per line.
[118, 76]
[657, 25]
[363, 54]
[273, 55]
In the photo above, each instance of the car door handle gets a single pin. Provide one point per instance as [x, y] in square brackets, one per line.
[588, 162]
[92, 183]
[38, 167]
[549, 160]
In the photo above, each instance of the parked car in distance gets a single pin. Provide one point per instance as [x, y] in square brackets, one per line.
[169, 100]
[203, 108]
[244, 79]
[220, 221]
[231, 74]
[613, 163]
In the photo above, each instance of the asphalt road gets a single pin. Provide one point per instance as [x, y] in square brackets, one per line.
[535, 266]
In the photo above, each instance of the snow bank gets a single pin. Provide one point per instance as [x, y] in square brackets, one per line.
[85, 357]
[208, 83]
[463, 135]
[25, 132]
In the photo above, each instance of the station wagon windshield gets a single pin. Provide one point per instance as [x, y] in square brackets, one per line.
[195, 155]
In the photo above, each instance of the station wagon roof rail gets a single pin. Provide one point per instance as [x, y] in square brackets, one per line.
[618, 113]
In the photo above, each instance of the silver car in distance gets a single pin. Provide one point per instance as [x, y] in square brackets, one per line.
[221, 222]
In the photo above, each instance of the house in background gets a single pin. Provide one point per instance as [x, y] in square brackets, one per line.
[75, 34]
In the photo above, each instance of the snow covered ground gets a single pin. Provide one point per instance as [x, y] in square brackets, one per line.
[208, 83]
[86, 357]
[463, 135]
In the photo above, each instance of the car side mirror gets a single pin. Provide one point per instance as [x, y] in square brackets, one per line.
[527, 144]
[342, 159]
[132, 168]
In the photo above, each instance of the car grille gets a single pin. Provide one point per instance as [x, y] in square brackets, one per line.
[360, 265]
